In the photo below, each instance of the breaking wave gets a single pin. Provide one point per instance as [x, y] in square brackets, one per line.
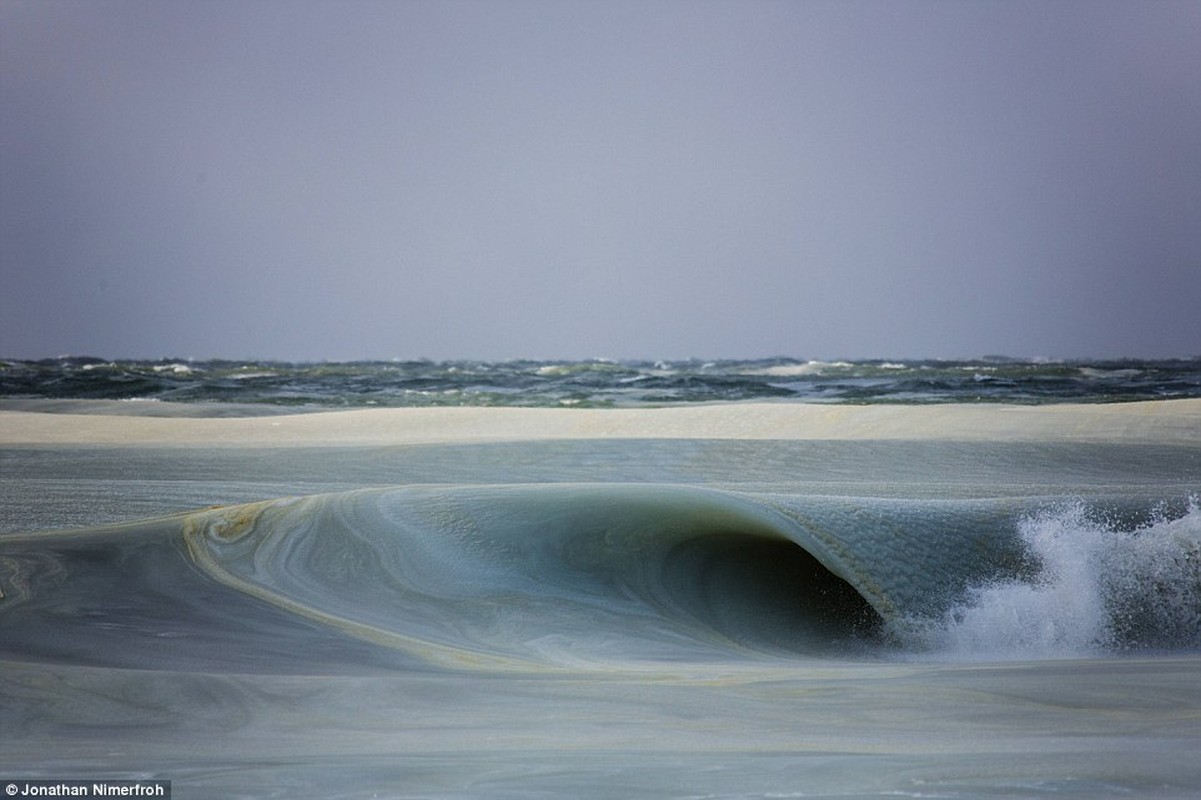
[554, 574]
[545, 576]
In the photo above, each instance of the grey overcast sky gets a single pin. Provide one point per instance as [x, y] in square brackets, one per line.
[511, 178]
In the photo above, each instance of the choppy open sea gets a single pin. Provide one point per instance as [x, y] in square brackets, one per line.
[600, 383]
[657, 605]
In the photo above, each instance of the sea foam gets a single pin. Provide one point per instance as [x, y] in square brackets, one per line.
[1093, 588]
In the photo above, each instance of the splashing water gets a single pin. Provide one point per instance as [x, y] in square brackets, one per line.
[1095, 589]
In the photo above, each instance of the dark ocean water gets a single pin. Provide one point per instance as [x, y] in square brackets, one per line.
[599, 383]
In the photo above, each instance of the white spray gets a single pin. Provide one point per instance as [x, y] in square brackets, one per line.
[1097, 589]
